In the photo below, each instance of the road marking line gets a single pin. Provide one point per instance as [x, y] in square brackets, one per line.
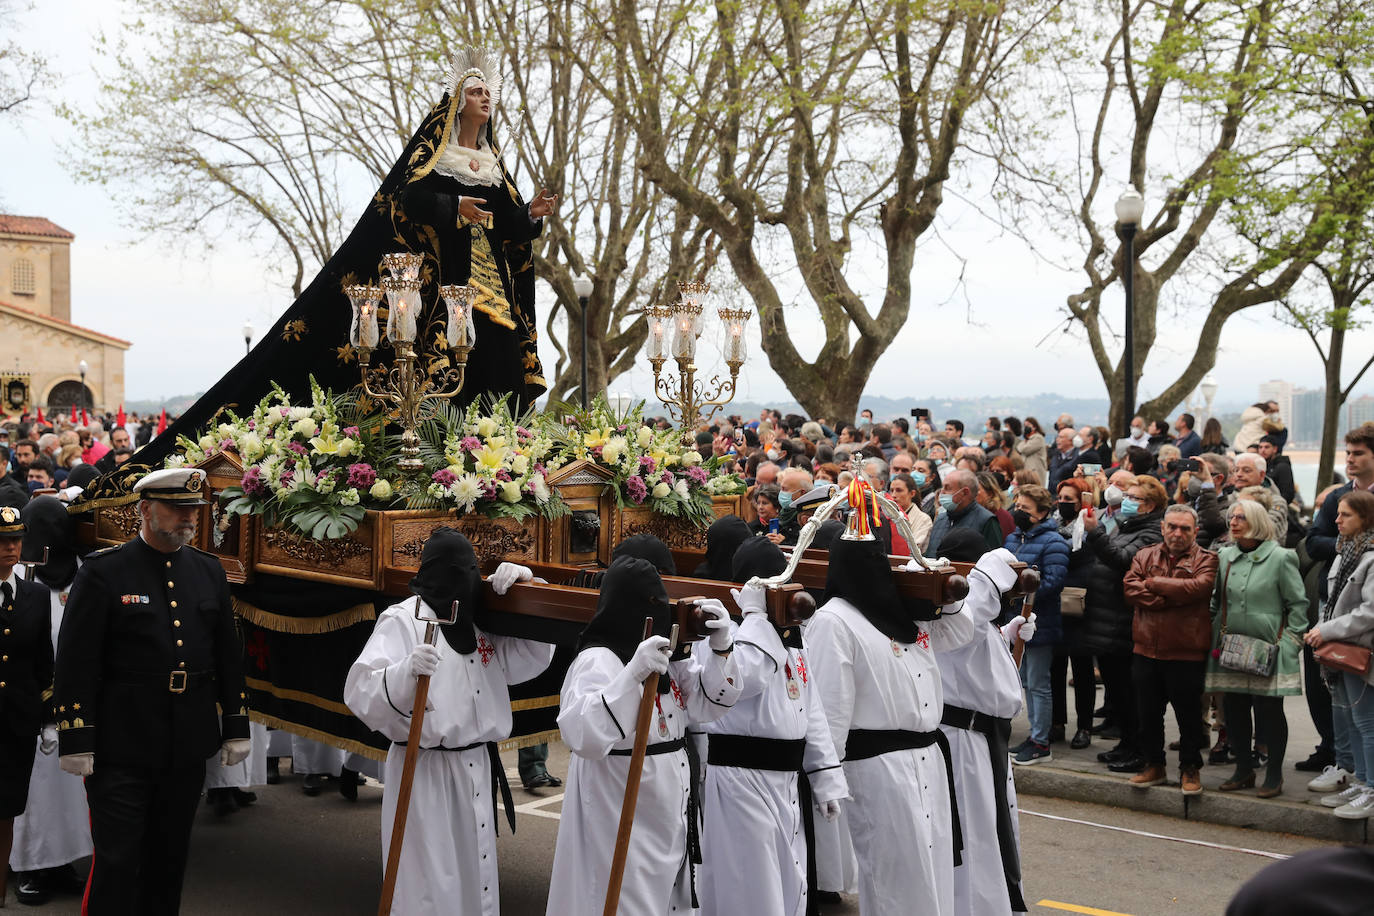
[1075, 908]
[532, 808]
[1158, 836]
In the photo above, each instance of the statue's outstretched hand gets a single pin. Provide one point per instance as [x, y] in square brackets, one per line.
[470, 213]
[543, 205]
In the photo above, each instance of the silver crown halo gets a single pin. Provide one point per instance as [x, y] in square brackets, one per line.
[473, 60]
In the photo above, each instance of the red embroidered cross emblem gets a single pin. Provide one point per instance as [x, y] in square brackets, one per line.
[677, 694]
[801, 667]
[485, 649]
[923, 639]
[258, 650]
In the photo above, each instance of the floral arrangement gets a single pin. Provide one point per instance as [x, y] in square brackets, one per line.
[650, 467]
[490, 462]
[312, 467]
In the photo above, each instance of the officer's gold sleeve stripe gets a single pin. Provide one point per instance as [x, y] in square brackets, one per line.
[280, 623]
[299, 696]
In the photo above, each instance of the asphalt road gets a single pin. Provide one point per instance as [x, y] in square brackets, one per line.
[290, 853]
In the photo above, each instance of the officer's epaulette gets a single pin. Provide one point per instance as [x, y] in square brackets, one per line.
[100, 553]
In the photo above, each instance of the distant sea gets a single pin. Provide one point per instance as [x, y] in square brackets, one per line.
[1305, 472]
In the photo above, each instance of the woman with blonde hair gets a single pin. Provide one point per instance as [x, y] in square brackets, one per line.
[1259, 594]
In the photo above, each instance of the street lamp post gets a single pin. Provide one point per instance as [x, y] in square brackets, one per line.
[1209, 391]
[582, 286]
[1130, 207]
[247, 337]
[83, 367]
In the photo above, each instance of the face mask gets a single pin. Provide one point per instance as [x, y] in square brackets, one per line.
[1137, 432]
[1113, 495]
[1129, 507]
[773, 454]
[1068, 511]
[919, 478]
[947, 502]
[784, 499]
[1077, 441]
[1022, 519]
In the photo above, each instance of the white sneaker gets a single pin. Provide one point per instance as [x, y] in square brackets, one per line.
[1352, 792]
[1331, 779]
[1359, 809]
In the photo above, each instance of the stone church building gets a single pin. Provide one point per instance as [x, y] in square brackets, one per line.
[41, 350]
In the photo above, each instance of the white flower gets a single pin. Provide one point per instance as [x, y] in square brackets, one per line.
[541, 489]
[690, 458]
[381, 489]
[346, 447]
[326, 484]
[207, 442]
[509, 491]
[175, 461]
[487, 427]
[465, 490]
[661, 490]
[614, 449]
[301, 413]
[250, 447]
[349, 497]
[680, 487]
[519, 465]
[306, 427]
[644, 436]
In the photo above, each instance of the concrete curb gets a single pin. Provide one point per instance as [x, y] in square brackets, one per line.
[1231, 809]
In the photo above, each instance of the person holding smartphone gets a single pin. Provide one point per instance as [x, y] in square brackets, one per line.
[769, 508]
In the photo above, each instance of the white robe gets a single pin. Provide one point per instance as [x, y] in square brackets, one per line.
[248, 772]
[597, 713]
[448, 859]
[980, 676]
[753, 844]
[899, 816]
[55, 828]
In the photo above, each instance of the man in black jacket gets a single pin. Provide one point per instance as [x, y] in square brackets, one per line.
[146, 652]
[13, 491]
[1277, 467]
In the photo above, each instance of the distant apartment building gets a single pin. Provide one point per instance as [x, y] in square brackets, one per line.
[1280, 392]
[1305, 420]
[1358, 410]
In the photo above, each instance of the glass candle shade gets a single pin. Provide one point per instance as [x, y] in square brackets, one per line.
[363, 299]
[403, 302]
[462, 332]
[402, 265]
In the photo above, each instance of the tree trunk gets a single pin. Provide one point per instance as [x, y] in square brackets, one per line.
[1331, 409]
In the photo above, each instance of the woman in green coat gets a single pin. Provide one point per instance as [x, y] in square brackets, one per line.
[1260, 593]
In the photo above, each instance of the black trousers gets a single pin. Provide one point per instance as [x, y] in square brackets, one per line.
[1084, 688]
[1318, 700]
[1178, 684]
[1116, 681]
[141, 827]
[1269, 723]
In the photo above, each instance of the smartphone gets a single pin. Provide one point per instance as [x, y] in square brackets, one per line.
[1190, 464]
[921, 413]
[1090, 469]
[775, 526]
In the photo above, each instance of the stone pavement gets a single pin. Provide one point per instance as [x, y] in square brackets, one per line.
[1077, 776]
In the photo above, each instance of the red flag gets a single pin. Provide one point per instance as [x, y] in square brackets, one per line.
[119, 417]
[85, 421]
[41, 421]
[162, 422]
[73, 414]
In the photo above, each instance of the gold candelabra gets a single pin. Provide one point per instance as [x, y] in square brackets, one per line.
[406, 384]
[673, 332]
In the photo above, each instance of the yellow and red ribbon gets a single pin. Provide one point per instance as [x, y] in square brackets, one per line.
[863, 500]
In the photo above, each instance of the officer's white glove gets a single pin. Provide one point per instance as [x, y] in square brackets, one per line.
[750, 599]
[424, 658]
[507, 574]
[651, 656]
[77, 764]
[1019, 626]
[829, 809]
[234, 751]
[47, 740]
[718, 622]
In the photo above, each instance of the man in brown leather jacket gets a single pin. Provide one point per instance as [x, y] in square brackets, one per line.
[1170, 588]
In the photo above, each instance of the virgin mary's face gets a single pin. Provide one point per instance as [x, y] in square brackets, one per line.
[476, 103]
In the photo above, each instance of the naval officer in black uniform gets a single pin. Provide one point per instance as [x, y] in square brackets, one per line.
[25, 681]
[146, 650]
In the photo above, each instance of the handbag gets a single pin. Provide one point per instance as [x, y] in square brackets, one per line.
[1344, 656]
[1071, 601]
[1247, 654]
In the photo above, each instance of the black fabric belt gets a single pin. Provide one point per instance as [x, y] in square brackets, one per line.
[864, 743]
[499, 784]
[783, 755]
[998, 733]
[653, 750]
[177, 681]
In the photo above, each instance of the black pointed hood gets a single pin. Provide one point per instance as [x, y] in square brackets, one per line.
[47, 524]
[448, 573]
[724, 536]
[631, 590]
[647, 547]
[757, 556]
[860, 573]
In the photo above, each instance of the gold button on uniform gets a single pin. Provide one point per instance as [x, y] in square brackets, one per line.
[174, 604]
[178, 643]
[2, 683]
[170, 583]
[176, 623]
[181, 664]
[169, 564]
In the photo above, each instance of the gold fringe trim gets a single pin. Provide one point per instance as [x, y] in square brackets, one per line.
[533, 703]
[108, 502]
[299, 696]
[514, 744]
[353, 747]
[280, 623]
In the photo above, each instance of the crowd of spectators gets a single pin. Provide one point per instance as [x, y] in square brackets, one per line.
[1152, 547]
[60, 455]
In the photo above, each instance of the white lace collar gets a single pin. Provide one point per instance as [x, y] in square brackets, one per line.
[469, 166]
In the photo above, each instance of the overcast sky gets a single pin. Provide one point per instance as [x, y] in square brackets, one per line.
[183, 307]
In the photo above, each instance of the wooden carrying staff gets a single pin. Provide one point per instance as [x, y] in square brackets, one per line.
[627, 808]
[1029, 582]
[417, 721]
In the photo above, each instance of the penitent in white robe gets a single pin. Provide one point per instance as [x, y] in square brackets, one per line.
[980, 676]
[448, 859]
[899, 816]
[597, 713]
[753, 844]
[55, 828]
[248, 772]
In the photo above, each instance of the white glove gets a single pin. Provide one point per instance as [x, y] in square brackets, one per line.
[1028, 627]
[77, 764]
[424, 658]
[718, 622]
[651, 656]
[234, 751]
[507, 574]
[1019, 626]
[47, 740]
[829, 809]
[750, 599]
